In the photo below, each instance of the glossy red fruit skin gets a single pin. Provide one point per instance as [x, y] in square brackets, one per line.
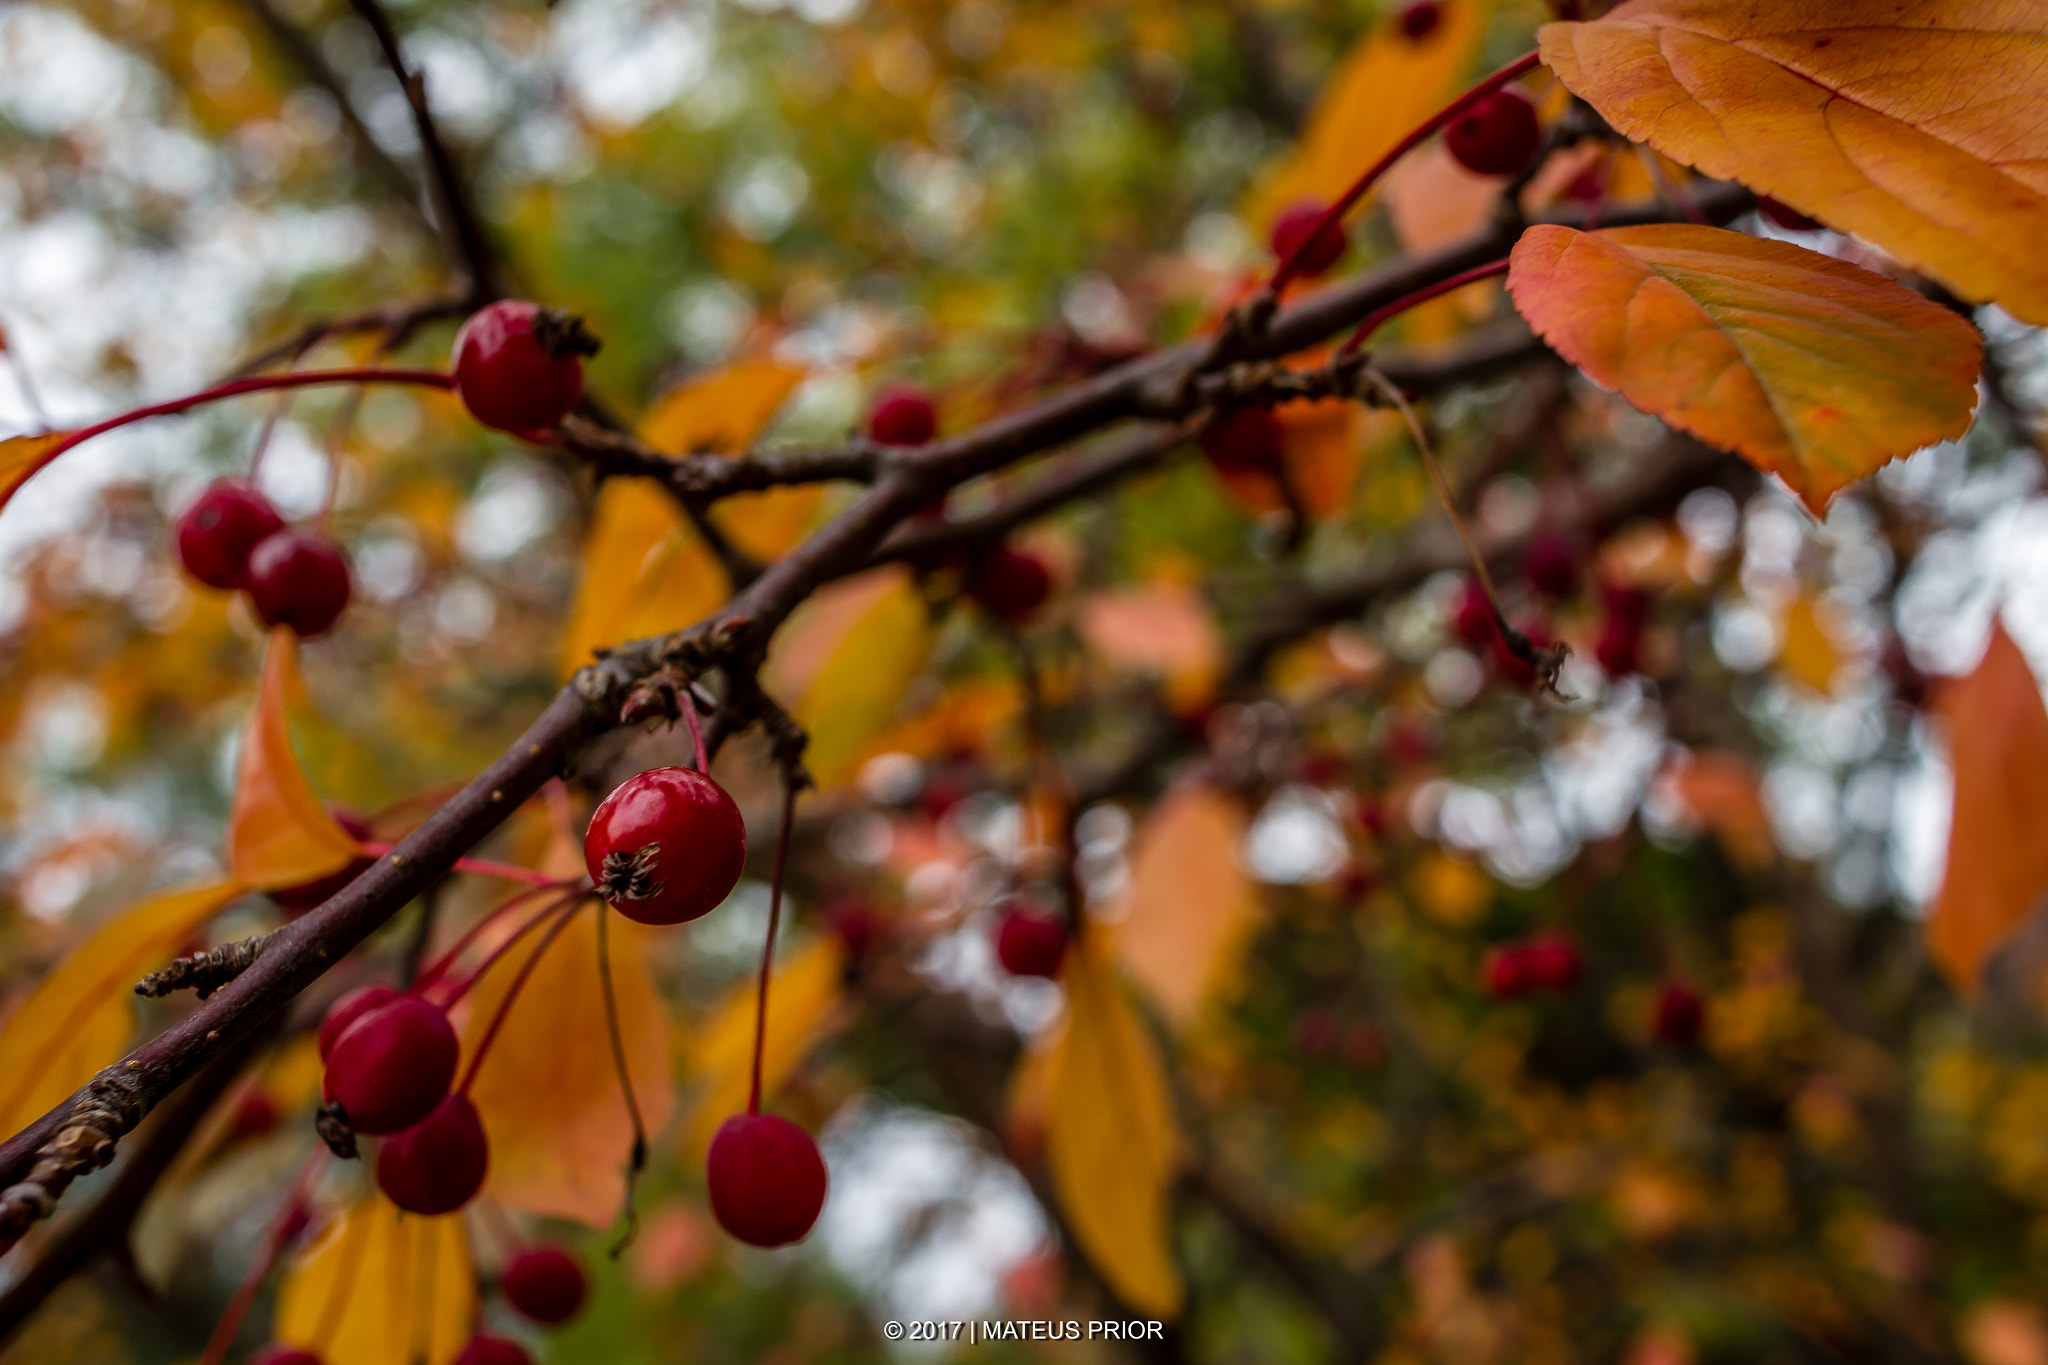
[666, 846]
[903, 416]
[218, 531]
[1029, 944]
[1553, 963]
[767, 1179]
[277, 1353]
[351, 1007]
[297, 900]
[300, 580]
[1506, 973]
[1249, 439]
[487, 1350]
[546, 1284]
[1293, 227]
[1009, 584]
[1786, 217]
[437, 1165]
[1497, 136]
[1679, 1015]
[1420, 19]
[390, 1068]
[519, 367]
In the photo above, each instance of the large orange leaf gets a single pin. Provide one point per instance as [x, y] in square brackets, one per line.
[1808, 367]
[722, 413]
[380, 1287]
[1110, 1137]
[646, 571]
[566, 1156]
[1164, 628]
[1915, 124]
[1191, 904]
[804, 1007]
[278, 832]
[1386, 85]
[21, 456]
[843, 662]
[82, 1014]
[1997, 859]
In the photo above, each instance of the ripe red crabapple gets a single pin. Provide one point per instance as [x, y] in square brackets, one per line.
[277, 1353]
[1497, 136]
[519, 366]
[1293, 227]
[766, 1178]
[347, 1010]
[218, 531]
[392, 1065]
[546, 1284]
[489, 1350]
[437, 1165]
[1679, 1014]
[299, 579]
[666, 846]
[1420, 19]
[1008, 584]
[1030, 944]
[903, 415]
[1553, 963]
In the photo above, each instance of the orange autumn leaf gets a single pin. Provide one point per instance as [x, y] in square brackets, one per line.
[1808, 367]
[1809, 655]
[1997, 860]
[1915, 125]
[804, 1008]
[723, 412]
[380, 1287]
[1164, 628]
[22, 456]
[1431, 199]
[279, 834]
[646, 571]
[1111, 1140]
[80, 1017]
[1191, 905]
[843, 663]
[567, 1158]
[1722, 791]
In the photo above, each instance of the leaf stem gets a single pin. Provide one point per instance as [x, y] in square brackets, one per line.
[789, 790]
[438, 972]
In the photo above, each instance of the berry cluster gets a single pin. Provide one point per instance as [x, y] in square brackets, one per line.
[232, 538]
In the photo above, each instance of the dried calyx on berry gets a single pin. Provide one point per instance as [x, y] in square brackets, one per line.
[766, 1179]
[666, 846]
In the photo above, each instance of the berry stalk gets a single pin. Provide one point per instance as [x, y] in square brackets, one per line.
[483, 1047]
[1379, 317]
[768, 947]
[279, 1234]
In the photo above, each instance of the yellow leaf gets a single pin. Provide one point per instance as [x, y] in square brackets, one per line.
[1809, 655]
[278, 832]
[1110, 1139]
[723, 412]
[566, 1156]
[1386, 85]
[646, 571]
[21, 457]
[1916, 125]
[1997, 859]
[1190, 903]
[803, 1009]
[380, 1287]
[843, 662]
[82, 1015]
[1450, 889]
[1808, 367]
[1164, 628]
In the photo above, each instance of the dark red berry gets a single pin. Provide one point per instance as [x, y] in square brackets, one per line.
[347, 1010]
[217, 532]
[1497, 136]
[666, 846]
[1009, 584]
[1631, 605]
[1293, 227]
[1679, 1014]
[766, 1178]
[438, 1164]
[519, 366]
[903, 416]
[1419, 20]
[1507, 971]
[487, 1350]
[1619, 648]
[545, 1284]
[255, 1115]
[298, 579]
[1553, 963]
[1249, 439]
[1786, 217]
[1371, 815]
[1472, 617]
[1551, 565]
[1030, 944]
[277, 1353]
[392, 1065]
[856, 924]
[297, 900]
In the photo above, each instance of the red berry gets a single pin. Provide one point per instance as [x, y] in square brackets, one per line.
[903, 416]
[298, 579]
[1293, 227]
[438, 1164]
[297, 900]
[277, 1353]
[1472, 617]
[856, 924]
[1030, 944]
[1551, 565]
[519, 367]
[1497, 136]
[1553, 963]
[667, 846]
[1507, 971]
[1249, 439]
[217, 532]
[545, 1284]
[255, 1115]
[1009, 584]
[766, 1178]
[347, 1010]
[1619, 648]
[487, 1350]
[1357, 882]
[1679, 1014]
[1786, 217]
[1420, 19]
[392, 1065]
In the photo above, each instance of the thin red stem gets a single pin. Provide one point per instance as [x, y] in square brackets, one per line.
[491, 958]
[768, 947]
[696, 731]
[482, 867]
[1380, 316]
[230, 1324]
[1290, 266]
[261, 383]
[533, 958]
